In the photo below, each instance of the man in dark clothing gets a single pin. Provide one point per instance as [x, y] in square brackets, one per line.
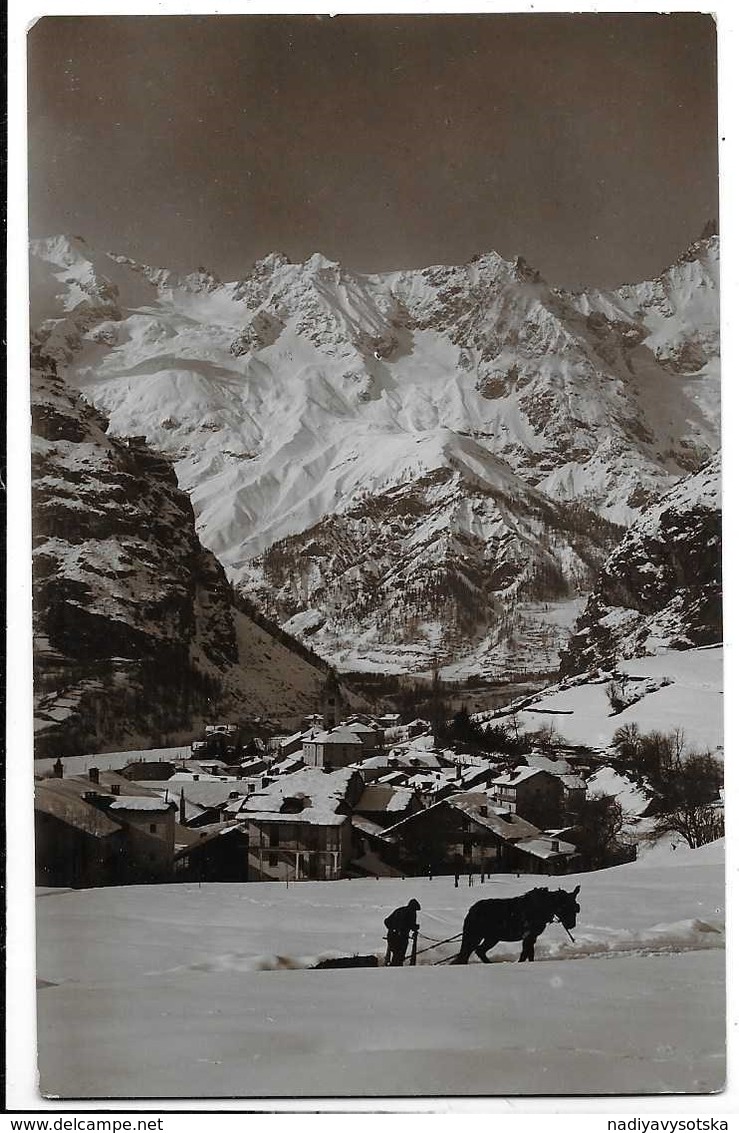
[400, 924]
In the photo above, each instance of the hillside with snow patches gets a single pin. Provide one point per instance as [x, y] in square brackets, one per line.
[404, 468]
[136, 634]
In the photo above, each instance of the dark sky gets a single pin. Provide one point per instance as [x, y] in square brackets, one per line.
[585, 143]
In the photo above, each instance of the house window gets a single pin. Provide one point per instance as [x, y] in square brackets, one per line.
[152, 828]
[272, 861]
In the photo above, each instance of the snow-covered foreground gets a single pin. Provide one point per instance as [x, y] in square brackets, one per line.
[203, 991]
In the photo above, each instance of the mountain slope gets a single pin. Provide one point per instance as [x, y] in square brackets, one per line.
[661, 587]
[136, 633]
[302, 395]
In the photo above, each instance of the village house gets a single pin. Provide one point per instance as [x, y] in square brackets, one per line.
[461, 833]
[431, 786]
[213, 853]
[531, 793]
[464, 833]
[77, 845]
[575, 786]
[300, 828]
[370, 735]
[337, 748]
[100, 830]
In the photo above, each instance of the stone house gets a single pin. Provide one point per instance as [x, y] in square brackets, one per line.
[101, 830]
[337, 748]
[531, 793]
[300, 828]
[464, 833]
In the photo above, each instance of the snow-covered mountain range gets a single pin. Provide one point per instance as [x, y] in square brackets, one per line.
[407, 468]
[136, 634]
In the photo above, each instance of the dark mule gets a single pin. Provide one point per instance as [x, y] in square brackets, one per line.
[515, 918]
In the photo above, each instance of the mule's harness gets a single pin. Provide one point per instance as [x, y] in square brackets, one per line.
[564, 926]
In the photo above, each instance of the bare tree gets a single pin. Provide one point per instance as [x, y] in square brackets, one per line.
[684, 784]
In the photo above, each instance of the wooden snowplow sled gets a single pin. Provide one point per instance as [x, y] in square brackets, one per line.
[348, 962]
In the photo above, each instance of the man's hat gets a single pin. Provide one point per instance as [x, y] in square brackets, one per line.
[413, 904]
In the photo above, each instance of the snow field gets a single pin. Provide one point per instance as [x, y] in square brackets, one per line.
[193, 990]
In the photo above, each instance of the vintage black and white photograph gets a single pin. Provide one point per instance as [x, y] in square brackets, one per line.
[376, 506]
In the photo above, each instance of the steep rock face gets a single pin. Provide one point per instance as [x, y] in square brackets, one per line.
[437, 570]
[136, 633]
[661, 587]
[289, 398]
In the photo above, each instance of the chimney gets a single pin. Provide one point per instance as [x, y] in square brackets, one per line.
[58, 769]
[484, 810]
[94, 774]
[555, 845]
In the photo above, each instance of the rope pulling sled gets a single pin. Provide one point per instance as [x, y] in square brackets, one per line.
[372, 961]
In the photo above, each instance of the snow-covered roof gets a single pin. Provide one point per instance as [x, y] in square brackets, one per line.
[374, 761]
[382, 798]
[510, 827]
[288, 765]
[428, 780]
[337, 736]
[285, 740]
[543, 847]
[474, 805]
[138, 802]
[322, 794]
[74, 811]
[367, 826]
[559, 767]
[520, 775]
[204, 792]
[362, 729]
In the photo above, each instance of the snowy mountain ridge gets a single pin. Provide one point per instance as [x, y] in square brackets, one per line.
[298, 400]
